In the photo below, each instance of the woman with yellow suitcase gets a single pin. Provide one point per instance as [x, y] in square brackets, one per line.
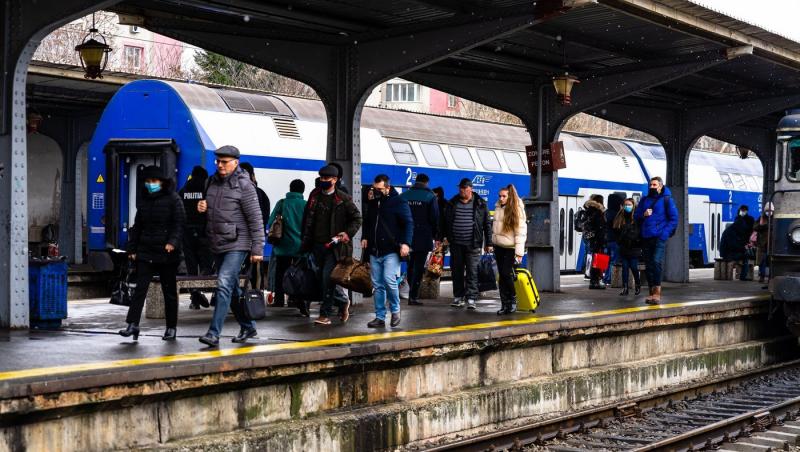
[509, 233]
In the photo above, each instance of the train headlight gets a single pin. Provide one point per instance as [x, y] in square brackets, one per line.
[794, 236]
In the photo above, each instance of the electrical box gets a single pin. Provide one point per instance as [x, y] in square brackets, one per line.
[539, 223]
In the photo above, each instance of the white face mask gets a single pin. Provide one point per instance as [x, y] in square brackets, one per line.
[742, 213]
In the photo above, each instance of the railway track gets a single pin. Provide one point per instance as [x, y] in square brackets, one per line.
[755, 411]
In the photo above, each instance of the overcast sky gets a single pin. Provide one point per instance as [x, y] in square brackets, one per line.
[780, 16]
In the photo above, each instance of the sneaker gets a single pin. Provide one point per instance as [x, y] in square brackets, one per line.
[395, 319]
[471, 305]
[458, 302]
[322, 320]
[377, 323]
[244, 335]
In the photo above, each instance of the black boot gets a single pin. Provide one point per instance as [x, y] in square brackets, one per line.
[169, 335]
[503, 308]
[131, 330]
[624, 291]
[637, 289]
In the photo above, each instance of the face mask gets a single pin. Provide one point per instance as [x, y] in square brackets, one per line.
[325, 185]
[652, 192]
[628, 209]
[742, 213]
[152, 187]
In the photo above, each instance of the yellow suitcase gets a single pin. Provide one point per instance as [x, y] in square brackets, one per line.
[525, 287]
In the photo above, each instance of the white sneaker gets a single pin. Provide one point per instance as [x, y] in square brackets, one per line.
[471, 304]
[458, 302]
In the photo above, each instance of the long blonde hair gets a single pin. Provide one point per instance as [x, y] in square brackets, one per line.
[511, 212]
[622, 216]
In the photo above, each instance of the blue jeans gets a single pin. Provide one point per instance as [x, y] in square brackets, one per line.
[613, 252]
[385, 276]
[653, 250]
[228, 267]
[628, 264]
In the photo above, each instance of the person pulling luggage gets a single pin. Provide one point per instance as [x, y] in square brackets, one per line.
[509, 232]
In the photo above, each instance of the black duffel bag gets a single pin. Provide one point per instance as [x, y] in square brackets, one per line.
[487, 273]
[300, 280]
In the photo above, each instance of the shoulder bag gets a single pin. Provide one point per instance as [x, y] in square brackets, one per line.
[276, 230]
[353, 274]
[251, 304]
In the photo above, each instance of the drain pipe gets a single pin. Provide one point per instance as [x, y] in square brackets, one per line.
[539, 138]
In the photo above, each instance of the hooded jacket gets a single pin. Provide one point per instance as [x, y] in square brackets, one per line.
[594, 230]
[234, 217]
[388, 224]
[159, 221]
[482, 229]
[425, 211]
[614, 205]
[509, 239]
[664, 219]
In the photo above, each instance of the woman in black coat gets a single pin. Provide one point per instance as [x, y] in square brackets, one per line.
[626, 234]
[594, 235]
[154, 244]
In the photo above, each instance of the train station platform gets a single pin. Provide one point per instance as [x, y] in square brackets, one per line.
[298, 377]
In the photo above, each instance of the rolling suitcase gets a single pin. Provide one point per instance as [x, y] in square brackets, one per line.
[525, 288]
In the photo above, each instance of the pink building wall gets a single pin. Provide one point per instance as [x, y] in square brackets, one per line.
[438, 103]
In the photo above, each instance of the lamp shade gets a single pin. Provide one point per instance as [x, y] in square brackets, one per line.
[93, 55]
[563, 85]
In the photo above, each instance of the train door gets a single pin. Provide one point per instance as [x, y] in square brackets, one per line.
[125, 161]
[568, 239]
[715, 230]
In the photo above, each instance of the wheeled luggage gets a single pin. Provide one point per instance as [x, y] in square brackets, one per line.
[525, 288]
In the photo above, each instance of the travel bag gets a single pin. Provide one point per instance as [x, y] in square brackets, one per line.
[251, 303]
[487, 273]
[525, 288]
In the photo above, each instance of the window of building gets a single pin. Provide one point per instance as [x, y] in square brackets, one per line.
[489, 160]
[515, 162]
[402, 92]
[726, 180]
[403, 153]
[433, 154]
[133, 57]
[462, 157]
[451, 101]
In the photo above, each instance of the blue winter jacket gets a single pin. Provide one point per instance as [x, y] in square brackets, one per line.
[388, 224]
[425, 211]
[664, 219]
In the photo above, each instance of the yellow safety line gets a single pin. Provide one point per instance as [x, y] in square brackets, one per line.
[106, 365]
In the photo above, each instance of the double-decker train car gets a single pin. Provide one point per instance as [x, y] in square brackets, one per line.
[179, 125]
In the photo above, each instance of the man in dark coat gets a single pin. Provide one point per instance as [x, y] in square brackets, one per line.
[330, 220]
[425, 210]
[195, 243]
[235, 230]
[388, 230]
[264, 205]
[154, 244]
[743, 226]
[467, 230]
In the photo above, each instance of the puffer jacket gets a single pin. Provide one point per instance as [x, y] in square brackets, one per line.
[594, 231]
[388, 224]
[160, 220]
[482, 229]
[509, 239]
[664, 219]
[234, 217]
[346, 218]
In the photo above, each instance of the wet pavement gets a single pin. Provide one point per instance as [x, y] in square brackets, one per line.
[89, 334]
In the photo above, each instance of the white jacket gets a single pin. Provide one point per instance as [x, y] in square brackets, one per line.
[504, 239]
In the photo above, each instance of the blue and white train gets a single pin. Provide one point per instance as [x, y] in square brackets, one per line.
[178, 125]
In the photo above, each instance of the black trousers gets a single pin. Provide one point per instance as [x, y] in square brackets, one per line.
[196, 252]
[416, 269]
[505, 270]
[169, 287]
[464, 266]
[282, 264]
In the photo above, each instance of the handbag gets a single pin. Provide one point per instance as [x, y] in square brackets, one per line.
[276, 231]
[354, 275]
[600, 261]
[487, 279]
[300, 280]
[251, 303]
[435, 262]
[124, 288]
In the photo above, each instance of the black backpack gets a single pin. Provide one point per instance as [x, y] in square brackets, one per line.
[581, 217]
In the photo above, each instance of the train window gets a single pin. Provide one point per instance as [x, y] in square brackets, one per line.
[462, 157]
[489, 160]
[515, 162]
[726, 180]
[433, 154]
[751, 183]
[793, 166]
[739, 180]
[403, 153]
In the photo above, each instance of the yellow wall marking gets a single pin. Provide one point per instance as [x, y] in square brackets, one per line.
[125, 363]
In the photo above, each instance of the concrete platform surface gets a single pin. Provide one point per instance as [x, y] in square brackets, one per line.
[89, 346]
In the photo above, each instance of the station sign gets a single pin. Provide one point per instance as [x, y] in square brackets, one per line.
[553, 157]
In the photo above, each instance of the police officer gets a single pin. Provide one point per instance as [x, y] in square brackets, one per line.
[196, 252]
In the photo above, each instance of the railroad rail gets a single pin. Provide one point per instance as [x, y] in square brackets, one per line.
[733, 411]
